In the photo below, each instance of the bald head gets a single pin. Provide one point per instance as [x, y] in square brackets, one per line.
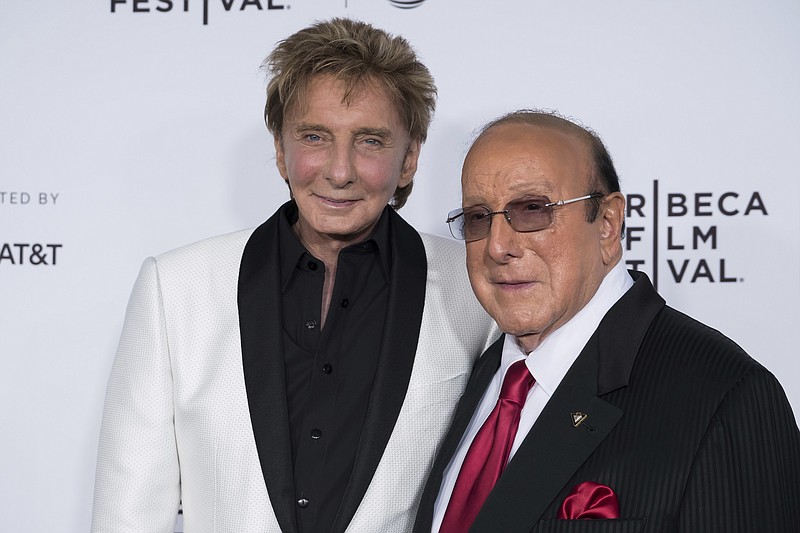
[540, 261]
[602, 174]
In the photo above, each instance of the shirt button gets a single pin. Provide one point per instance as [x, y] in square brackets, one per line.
[316, 433]
[344, 302]
[311, 324]
[327, 368]
[302, 502]
[312, 265]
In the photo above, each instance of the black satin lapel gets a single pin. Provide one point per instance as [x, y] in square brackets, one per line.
[409, 269]
[634, 312]
[262, 348]
[551, 453]
[480, 378]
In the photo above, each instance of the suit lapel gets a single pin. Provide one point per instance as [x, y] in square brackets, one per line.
[479, 380]
[260, 326]
[398, 349]
[552, 451]
[555, 448]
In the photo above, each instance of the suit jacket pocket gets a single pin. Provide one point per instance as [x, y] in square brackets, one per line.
[625, 525]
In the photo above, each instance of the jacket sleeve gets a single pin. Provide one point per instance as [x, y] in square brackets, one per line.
[137, 485]
[746, 476]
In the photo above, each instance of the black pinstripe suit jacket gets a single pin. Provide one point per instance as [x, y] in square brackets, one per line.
[691, 433]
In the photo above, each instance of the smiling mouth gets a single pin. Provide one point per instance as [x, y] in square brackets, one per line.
[336, 201]
[511, 285]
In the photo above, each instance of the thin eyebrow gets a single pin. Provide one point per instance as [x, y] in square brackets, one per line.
[475, 206]
[377, 132]
[383, 133]
[528, 198]
[544, 200]
[306, 126]
[531, 197]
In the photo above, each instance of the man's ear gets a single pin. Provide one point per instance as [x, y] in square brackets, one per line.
[611, 217]
[280, 158]
[410, 162]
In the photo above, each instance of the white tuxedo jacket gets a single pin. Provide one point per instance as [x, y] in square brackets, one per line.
[196, 408]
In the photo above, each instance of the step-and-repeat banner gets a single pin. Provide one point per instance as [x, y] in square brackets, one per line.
[130, 127]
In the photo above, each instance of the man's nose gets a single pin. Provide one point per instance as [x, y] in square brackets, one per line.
[503, 242]
[341, 168]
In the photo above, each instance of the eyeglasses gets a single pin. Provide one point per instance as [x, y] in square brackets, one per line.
[524, 215]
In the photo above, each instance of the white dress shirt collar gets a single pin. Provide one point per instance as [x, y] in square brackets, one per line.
[548, 364]
[551, 360]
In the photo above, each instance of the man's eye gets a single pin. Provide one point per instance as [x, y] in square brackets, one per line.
[373, 142]
[313, 137]
[474, 216]
[533, 206]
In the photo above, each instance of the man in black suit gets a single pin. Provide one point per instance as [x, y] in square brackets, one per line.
[621, 409]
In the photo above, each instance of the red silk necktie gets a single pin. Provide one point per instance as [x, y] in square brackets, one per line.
[488, 454]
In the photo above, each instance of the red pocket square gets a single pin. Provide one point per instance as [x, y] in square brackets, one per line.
[589, 500]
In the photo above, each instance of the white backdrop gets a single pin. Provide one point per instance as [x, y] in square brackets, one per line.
[131, 127]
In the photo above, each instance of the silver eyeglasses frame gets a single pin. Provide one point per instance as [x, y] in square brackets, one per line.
[459, 233]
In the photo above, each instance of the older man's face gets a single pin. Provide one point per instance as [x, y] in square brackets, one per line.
[343, 160]
[533, 283]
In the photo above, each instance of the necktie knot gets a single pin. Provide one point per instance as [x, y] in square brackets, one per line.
[517, 383]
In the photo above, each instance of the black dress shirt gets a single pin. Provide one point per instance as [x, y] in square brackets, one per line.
[330, 370]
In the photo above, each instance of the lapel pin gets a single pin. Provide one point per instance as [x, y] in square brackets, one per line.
[578, 418]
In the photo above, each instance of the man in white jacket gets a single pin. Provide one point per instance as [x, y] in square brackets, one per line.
[299, 377]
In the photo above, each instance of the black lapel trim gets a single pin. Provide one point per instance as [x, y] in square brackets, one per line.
[260, 327]
[481, 376]
[398, 349]
[552, 451]
[635, 312]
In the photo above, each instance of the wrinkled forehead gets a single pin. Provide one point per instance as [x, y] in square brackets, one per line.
[351, 88]
[526, 158]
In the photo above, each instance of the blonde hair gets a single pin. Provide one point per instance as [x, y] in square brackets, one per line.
[354, 52]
